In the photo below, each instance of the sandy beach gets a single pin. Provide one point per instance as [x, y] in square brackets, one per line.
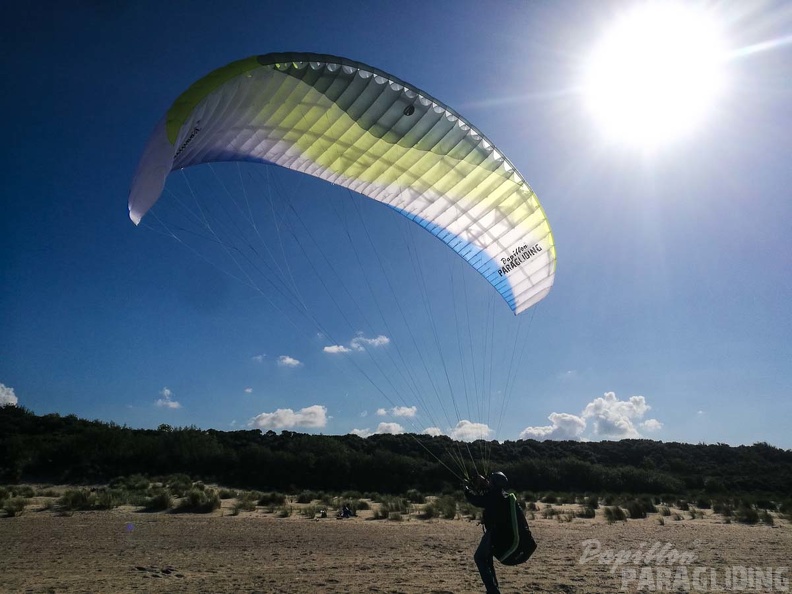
[124, 550]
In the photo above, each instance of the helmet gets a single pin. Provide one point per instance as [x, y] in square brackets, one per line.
[498, 479]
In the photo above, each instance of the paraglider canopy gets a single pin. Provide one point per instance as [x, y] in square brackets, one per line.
[364, 129]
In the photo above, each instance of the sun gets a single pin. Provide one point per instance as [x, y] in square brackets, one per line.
[655, 74]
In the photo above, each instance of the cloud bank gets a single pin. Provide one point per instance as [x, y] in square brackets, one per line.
[463, 431]
[398, 411]
[285, 418]
[7, 396]
[469, 431]
[382, 428]
[562, 426]
[606, 417]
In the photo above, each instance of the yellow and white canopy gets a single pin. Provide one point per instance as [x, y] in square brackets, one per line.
[366, 130]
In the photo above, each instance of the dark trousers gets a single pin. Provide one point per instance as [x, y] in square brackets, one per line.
[484, 562]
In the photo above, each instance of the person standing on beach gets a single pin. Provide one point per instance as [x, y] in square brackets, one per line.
[488, 494]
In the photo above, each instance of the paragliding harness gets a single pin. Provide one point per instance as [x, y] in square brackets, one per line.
[512, 541]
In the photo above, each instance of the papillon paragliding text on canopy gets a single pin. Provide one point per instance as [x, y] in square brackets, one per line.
[365, 130]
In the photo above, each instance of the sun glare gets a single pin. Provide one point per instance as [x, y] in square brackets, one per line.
[655, 74]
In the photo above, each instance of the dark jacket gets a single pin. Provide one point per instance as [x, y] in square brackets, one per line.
[494, 503]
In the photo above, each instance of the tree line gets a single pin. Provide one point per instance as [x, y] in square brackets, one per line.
[66, 449]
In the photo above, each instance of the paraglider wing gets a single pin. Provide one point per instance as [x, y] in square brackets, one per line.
[366, 130]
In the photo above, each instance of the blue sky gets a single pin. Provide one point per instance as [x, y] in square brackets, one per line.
[669, 317]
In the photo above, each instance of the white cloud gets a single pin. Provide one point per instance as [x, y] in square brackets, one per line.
[7, 396]
[399, 411]
[382, 428]
[364, 413]
[433, 431]
[469, 431]
[167, 400]
[391, 428]
[286, 361]
[613, 418]
[359, 343]
[336, 348]
[404, 411]
[248, 390]
[259, 358]
[562, 426]
[285, 418]
[651, 425]
[606, 417]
